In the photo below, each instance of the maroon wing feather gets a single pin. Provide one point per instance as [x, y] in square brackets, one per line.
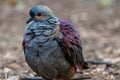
[71, 44]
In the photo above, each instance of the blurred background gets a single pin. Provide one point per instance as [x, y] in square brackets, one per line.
[98, 22]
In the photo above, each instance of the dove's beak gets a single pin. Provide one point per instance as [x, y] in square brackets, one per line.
[29, 20]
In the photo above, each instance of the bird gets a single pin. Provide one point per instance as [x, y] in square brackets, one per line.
[52, 46]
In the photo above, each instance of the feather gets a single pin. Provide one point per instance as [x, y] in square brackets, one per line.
[71, 44]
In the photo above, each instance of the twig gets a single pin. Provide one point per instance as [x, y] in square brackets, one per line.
[31, 78]
[99, 62]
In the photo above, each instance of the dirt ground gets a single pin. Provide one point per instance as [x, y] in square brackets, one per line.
[98, 25]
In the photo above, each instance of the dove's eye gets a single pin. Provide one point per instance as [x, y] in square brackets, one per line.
[39, 14]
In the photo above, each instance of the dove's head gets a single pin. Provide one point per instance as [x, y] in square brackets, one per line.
[39, 12]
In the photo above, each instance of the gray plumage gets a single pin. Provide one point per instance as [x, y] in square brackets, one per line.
[43, 46]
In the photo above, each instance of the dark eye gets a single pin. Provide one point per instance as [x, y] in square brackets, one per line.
[39, 14]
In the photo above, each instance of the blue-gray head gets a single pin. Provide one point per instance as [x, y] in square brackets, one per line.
[39, 12]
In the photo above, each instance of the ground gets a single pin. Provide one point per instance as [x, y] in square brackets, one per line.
[97, 24]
